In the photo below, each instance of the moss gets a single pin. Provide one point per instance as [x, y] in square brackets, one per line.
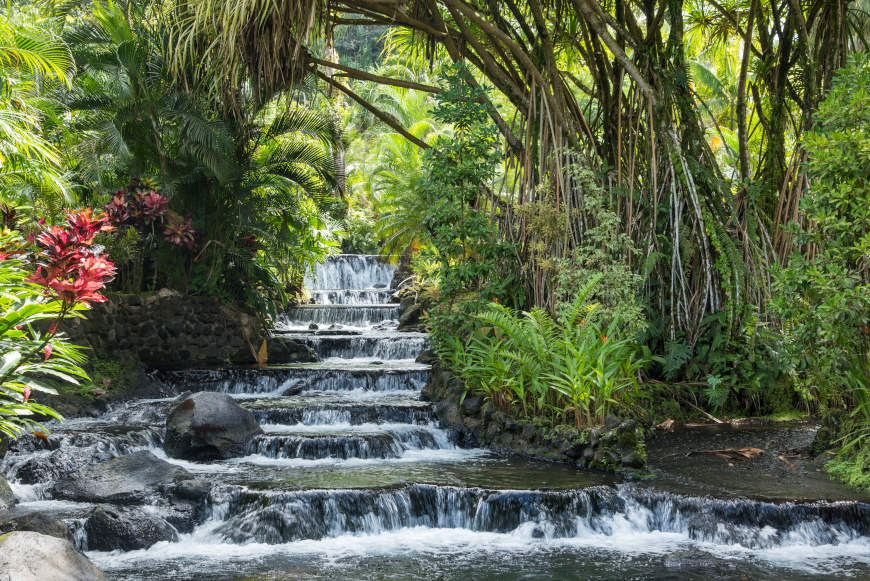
[108, 377]
[852, 469]
[640, 450]
[565, 432]
[789, 415]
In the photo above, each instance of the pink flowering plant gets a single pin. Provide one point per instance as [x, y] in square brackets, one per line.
[140, 205]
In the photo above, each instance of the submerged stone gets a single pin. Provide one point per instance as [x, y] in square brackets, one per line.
[132, 479]
[109, 528]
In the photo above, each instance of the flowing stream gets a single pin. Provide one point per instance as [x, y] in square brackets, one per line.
[354, 479]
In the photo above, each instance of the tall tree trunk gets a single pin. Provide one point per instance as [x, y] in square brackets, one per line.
[742, 129]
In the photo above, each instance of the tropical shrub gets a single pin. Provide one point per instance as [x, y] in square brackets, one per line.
[142, 225]
[562, 369]
[36, 357]
[476, 265]
[606, 251]
[252, 182]
[823, 293]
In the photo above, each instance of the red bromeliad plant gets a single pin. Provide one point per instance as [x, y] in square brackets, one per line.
[68, 265]
[180, 232]
[141, 206]
[70, 273]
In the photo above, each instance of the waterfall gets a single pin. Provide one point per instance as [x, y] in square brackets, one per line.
[353, 478]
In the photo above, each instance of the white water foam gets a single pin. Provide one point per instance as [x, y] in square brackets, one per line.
[624, 540]
[448, 455]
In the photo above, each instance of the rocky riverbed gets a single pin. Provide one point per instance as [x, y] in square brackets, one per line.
[341, 469]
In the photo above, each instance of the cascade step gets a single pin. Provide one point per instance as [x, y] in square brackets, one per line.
[290, 379]
[280, 517]
[303, 316]
[371, 345]
[332, 409]
[349, 444]
[447, 467]
[351, 271]
[365, 296]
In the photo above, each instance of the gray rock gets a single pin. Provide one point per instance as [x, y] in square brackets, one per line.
[631, 459]
[284, 350]
[110, 528]
[7, 498]
[29, 556]
[611, 422]
[209, 426]
[410, 316]
[36, 522]
[132, 479]
[471, 405]
[194, 489]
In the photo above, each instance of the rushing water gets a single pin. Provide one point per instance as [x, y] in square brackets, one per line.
[354, 479]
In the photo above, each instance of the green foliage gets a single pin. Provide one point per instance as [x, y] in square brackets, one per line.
[360, 46]
[533, 365]
[740, 370]
[476, 263]
[605, 251]
[33, 360]
[360, 237]
[823, 293]
[256, 179]
[34, 61]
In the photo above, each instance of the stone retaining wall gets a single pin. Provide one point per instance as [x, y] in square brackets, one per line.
[172, 331]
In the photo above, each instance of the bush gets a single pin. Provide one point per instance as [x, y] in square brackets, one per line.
[823, 293]
[534, 365]
[36, 358]
[475, 264]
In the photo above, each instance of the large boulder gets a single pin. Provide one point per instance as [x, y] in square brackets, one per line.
[110, 528]
[132, 479]
[29, 556]
[209, 426]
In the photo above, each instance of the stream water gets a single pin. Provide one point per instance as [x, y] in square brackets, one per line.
[354, 479]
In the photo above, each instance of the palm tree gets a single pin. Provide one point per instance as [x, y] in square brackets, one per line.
[33, 59]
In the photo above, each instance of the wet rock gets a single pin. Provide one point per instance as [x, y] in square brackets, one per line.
[36, 522]
[577, 450]
[471, 405]
[410, 317]
[194, 489]
[63, 453]
[209, 426]
[7, 498]
[632, 459]
[284, 350]
[133, 479]
[29, 556]
[449, 413]
[313, 327]
[427, 356]
[109, 528]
